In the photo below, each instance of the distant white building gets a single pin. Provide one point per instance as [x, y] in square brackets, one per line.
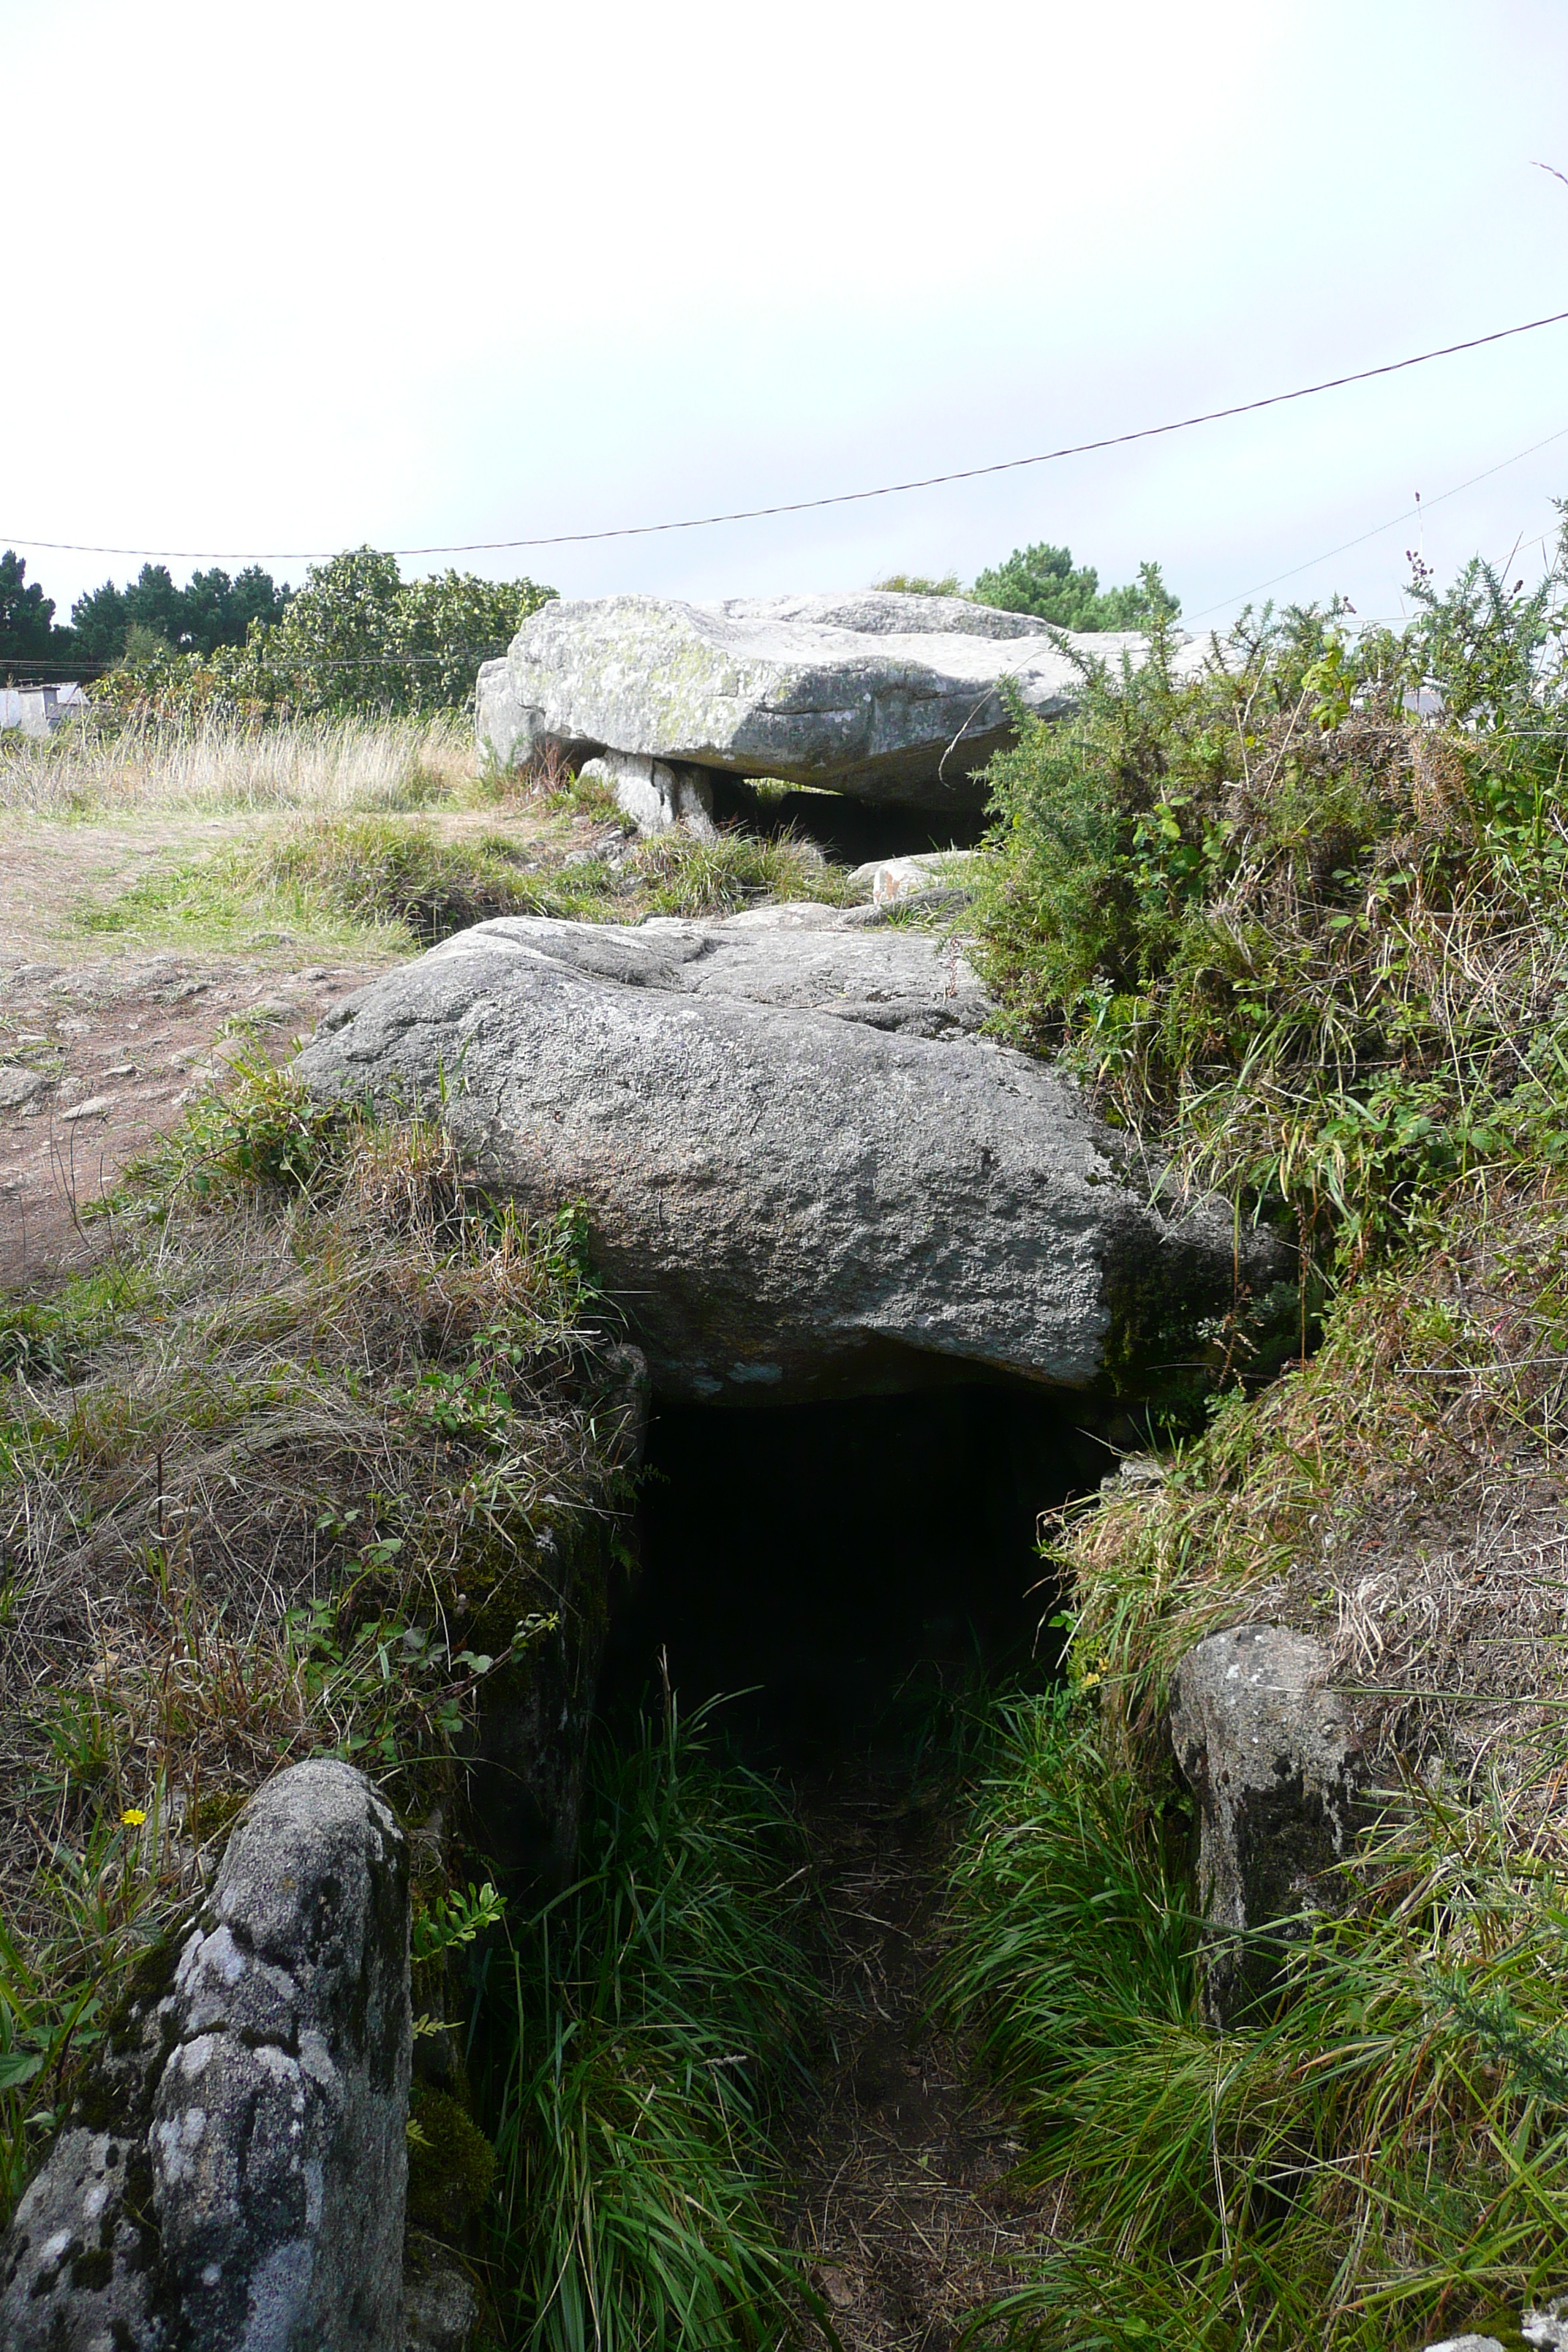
[39, 709]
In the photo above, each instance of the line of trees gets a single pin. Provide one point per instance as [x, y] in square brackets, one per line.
[149, 616]
[356, 636]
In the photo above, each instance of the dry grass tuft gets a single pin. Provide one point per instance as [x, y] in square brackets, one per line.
[214, 765]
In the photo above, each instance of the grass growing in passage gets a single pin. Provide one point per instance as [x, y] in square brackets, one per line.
[640, 2031]
[1384, 2158]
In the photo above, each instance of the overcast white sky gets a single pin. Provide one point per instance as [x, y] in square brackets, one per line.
[304, 276]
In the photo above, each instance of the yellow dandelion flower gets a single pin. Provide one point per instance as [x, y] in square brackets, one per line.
[134, 1817]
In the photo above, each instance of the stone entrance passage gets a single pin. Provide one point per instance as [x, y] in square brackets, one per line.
[842, 1565]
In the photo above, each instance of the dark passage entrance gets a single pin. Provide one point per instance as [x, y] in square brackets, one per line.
[844, 1563]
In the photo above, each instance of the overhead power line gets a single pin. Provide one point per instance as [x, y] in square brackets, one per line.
[804, 506]
[1410, 514]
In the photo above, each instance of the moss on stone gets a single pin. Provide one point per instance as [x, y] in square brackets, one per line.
[451, 2165]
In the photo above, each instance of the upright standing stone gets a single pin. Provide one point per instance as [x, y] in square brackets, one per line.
[232, 2175]
[1273, 1756]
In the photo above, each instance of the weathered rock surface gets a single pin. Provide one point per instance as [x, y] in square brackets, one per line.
[655, 795]
[526, 1781]
[896, 881]
[1273, 1755]
[232, 2177]
[440, 2312]
[1545, 2328]
[805, 1173]
[886, 696]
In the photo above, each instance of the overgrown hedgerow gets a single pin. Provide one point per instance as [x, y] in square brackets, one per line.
[1299, 923]
[1293, 932]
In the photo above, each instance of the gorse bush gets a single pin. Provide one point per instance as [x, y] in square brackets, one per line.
[683, 875]
[1384, 2159]
[1292, 932]
[636, 2039]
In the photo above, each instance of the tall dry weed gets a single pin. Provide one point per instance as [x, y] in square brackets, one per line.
[218, 765]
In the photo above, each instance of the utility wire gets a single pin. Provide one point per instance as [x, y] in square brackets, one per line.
[1411, 514]
[804, 506]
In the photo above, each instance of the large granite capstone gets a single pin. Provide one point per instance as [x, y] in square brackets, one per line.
[806, 1173]
[886, 696]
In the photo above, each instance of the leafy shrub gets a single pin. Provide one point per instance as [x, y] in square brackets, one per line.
[1042, 580]
[914, 583]
[357, 636]
[645, 2024]
[1289, 928]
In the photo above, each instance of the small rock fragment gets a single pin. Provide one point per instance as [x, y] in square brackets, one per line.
[18, 1086]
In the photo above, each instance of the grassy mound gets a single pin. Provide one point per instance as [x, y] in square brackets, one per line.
[1299, 923]
[273, 1482]
[390, 886]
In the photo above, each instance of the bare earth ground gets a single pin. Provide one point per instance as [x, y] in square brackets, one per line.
[99, 1053]
[904, 2202]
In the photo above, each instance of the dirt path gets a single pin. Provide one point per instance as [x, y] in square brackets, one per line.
[99, 1054]
[904, 2208]
[97, 1060]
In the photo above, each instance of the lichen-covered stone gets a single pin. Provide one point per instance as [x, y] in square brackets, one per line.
[232, 2177]
[654, 794]
[884, 696]
[805, 1173]
[1273, 1755]
[441, 2310]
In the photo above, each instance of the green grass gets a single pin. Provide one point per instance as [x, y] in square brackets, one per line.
[1384, 2159]
[223, 905]
[638, 2034]
[374, 886]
